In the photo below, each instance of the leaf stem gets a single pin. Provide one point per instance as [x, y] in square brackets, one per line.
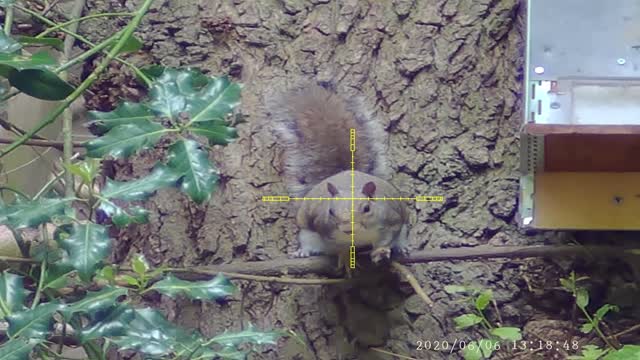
[87, 82]
[43, 272]
[8, 20]
[73, 21]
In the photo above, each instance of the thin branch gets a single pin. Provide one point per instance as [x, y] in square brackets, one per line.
[413, 282]
[42, 143]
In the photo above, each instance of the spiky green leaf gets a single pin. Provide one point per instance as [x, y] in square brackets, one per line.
[17, 349]
[86, 170]
[112, 322]
[87, 246]
[125, 140]
[217, 132]
[160, 177]
[23, 213]
[191, 163]
[248, 336]
[12, 293]
[41, 84]
[125, 113]
[213, 289]
[150, 333]
[214, 101]
[123, 216]
[94, 301]
[467, 320]
[33, 323]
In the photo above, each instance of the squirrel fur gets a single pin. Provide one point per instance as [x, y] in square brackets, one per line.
[312, 124]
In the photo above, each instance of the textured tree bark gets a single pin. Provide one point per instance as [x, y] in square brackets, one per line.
[444, 75]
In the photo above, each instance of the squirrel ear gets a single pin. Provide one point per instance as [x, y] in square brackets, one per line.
[332, 189]
[369, 189]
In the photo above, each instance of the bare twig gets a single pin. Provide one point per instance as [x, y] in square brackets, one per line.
[42, 143]
[412, 281]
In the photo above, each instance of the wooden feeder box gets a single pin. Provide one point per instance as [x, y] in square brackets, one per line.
[580, 141]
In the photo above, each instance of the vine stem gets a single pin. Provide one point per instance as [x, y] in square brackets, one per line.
[43, 272]
[8, 20]
[80, 19]
[87, 82]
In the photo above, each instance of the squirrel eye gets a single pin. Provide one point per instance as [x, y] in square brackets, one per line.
[366, 209]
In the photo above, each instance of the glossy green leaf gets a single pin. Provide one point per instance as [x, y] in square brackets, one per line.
[59, 265]
[160, 177]
[124, 140]
[483, 299]
[467, 320]
[49, 41]
[217, 132]
[151, 334]
[41, 84]
[130, 280]
[94, 301]
[33, 323]
[176, 91]
[107, 273]
[7, 44]
[86, 170]
[114, 323]
[507, 333]
[247, 336]
[87, 246]
[12, 293]
[23, 213]
[125, 113]
[586, 327]
[39, 60]
[189, 161]
[17, 349]
[627, 352]
[124, 216]
[216, 288]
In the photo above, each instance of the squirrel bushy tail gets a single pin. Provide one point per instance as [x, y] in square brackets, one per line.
[312, 124]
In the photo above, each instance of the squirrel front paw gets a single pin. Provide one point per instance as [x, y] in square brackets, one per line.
[381, 254]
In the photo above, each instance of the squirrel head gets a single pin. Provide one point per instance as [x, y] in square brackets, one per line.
[367, 212]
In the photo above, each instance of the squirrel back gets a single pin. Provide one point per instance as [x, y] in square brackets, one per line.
[312, 124]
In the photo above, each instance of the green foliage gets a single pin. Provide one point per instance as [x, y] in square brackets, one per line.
[17, 349]
[507, 333]
[12, 293]
[125, 113]
[33, 323]
[216, 288]
[126, 139]
[87, 245]
[191, 164]
[467, 320]
[49, 41]
[86, 170]
[8, 45]
[24, 213]
[94, 301]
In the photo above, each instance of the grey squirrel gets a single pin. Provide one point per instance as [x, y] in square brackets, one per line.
[313, 126]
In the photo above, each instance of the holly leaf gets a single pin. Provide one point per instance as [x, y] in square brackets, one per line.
[113, 322]
[17, 349]
[507, 333]
[125, 113]
[122, 217]
[160, 177]
[12, 293]
[23, 213]
[467, 320]
[150, 333]
[191, 163]
[216, 131]
[214, 101]
[216, 288]
[87, 246]
[125, 140]
[7, 44]
[94, 301]
[33, 323]
[41, 84]
[248, 336]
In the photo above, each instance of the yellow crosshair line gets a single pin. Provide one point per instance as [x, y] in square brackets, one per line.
[353, 198]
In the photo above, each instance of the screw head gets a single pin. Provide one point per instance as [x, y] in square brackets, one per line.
[621, 61]
[538, 70]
